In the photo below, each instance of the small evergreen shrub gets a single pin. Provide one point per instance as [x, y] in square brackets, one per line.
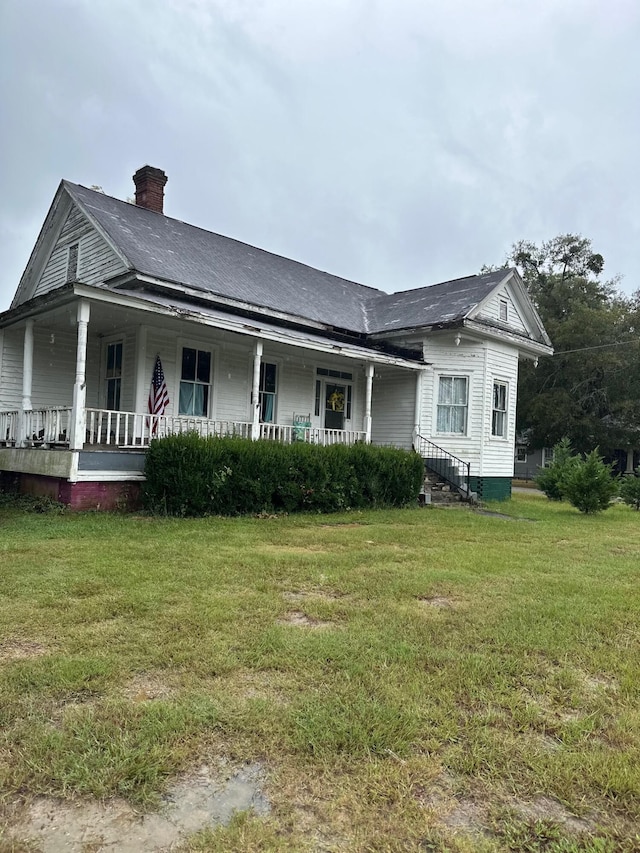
[549, 480]
[191, 476]
[630, 490]
[589, 484]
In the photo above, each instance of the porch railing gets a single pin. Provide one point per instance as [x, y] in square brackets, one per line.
[450, 468]
[106, 428]
[132, 429]
[9, 427]
[36, 427]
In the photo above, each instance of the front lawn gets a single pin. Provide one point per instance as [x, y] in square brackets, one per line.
[433, 679]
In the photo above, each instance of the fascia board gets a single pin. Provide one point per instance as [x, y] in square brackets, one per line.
[44, 246]
[524, 345]
[249, 328]
[212, 298]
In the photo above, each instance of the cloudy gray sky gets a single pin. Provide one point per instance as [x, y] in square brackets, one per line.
[394, 142]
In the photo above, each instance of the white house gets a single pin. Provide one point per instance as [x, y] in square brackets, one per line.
[250, 343]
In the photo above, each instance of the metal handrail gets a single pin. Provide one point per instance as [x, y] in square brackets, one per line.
[448, 467]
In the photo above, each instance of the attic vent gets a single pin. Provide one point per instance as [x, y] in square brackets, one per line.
[504, 310]
[72, 263]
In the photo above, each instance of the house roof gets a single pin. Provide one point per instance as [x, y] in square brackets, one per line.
[171, 250]
[438, 304]
[213, 269]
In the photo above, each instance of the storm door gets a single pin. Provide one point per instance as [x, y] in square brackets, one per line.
[335, 403]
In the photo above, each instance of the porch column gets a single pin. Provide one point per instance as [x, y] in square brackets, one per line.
[367, 403]
[77, 426]
[255, 391]
[27, 379]
[629, 468]
[417, 409]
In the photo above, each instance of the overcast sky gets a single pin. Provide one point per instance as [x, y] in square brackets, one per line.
[393, 142]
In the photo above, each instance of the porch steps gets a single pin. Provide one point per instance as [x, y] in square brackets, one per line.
[435, 490]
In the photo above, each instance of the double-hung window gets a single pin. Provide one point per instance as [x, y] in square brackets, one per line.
[195, 382]
[499, 410]
[113, 375]
[268, 391]
[453, 404]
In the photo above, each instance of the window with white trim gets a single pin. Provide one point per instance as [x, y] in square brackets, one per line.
[268, 391]
[195, 382]
[504, 310]
[72, 262]
[547, 456]
[499, 410]
[453, 404]
[521, 453]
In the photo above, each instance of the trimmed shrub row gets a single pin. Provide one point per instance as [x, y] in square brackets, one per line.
[187, 475]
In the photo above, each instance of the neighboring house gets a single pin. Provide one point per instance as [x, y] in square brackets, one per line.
[528, 461]
[250, 344]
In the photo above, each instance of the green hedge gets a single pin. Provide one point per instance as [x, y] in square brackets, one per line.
[191, 476]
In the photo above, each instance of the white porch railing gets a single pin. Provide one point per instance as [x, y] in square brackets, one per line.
[136, 430]
[132, 429]
[35, 426]
[9, 427]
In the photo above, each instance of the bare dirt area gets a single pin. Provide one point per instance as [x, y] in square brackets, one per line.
[203, 798]
[18, 649]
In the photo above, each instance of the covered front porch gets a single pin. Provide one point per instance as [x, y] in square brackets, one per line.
[77, 372]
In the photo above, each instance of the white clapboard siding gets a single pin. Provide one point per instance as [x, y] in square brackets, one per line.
[393, 407]
[11, 369]
[489, 456]
[96, 260]
[54, 367]
[498, 453]
[491, 311]
[464, 360]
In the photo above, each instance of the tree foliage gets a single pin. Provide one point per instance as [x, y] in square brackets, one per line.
[589, 484]
[630, 490]
[590, 389]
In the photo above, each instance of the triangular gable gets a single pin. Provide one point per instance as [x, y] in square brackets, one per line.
[67, 228]
[521, 315]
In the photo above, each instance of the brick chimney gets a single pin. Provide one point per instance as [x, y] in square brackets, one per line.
[150, 183]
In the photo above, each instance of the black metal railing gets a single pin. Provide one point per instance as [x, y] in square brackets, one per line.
[448, 467]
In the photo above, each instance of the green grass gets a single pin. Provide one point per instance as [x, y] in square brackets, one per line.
[454, 664]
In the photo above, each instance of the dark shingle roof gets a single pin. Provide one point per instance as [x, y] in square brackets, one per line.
[429, 306]
[171, 250]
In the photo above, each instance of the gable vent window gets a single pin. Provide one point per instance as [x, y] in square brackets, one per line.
[504, 310]
[72, 263]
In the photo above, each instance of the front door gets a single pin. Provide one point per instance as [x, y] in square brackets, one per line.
[335, 397]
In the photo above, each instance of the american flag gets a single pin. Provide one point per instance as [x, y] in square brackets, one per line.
[158, 394]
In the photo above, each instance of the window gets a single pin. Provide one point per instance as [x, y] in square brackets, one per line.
[547, 456]
[452, 404]
[499, 411]
[195, 382]
[521, 453]
[268, 390]
[113, 375]
[504, 310]
[72, 262]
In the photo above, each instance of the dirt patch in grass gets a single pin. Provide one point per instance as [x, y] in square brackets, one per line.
[19, 649]
[144, 687]
[200, 799]
[294, 549]
[458, 813]
[438, 601]
[318, 595]
[342, 524]
[549, 809]
[301, 620]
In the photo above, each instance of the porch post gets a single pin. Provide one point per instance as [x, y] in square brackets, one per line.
[77, 426]
[27, 379]
[255, 391]
[417, 409]
[367, 403]
[629, 468]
